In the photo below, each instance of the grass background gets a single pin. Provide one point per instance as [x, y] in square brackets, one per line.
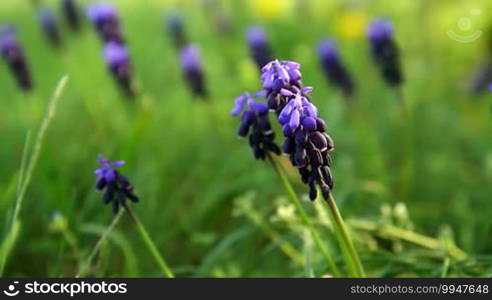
[211, 209]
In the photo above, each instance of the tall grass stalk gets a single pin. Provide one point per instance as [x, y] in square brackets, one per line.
[85, 266]
[284, 246]
[345, 239]
[302, 213]
[25, 176]
[150, 244]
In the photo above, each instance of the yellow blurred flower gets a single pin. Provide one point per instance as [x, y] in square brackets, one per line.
[352, 25]
[271, 9]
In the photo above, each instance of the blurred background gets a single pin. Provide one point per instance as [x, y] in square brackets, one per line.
[408, 184]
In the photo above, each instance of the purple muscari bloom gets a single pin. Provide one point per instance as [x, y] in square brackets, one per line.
[380, 30]
[13, 55]
[175, 27]
[306, 141]
[490, 87]
[117, 187]
[193, 71]
[277, 76]
[255, 123]
[384, 51]
[70, 10]
[49, 25]
[105, 19]
[334, 68]
[258, 46]
[118, 61]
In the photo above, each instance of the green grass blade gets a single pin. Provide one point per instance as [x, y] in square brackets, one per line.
[25, 176]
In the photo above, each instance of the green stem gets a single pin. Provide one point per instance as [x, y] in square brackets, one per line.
[345, 239]
[285, 246]
[304, 217]
[445, 267]
[393, 232]
[95, 250]
[150, 244]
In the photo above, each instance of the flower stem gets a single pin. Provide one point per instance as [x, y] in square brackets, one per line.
[150, 244]
[102, 239]
[344, 237]
[302, 213]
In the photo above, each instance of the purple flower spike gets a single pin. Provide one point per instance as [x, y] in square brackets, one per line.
[117, 59]
[482, 79]
[333, 67]
[71, 12]
[278, 77]
[327, 49]
[115, 54]
[101, 12]
[49, 25]
[490, 87]
[175, 27]
[13, 54]
[256, 125]
[105, 19]
[118, 187]
[258, 45]
[385, 52]
[193, 71]
[306, 141]
[380, 30]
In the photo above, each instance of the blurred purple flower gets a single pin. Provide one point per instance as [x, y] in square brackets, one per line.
[13, 55]
[118, 187]
[49, 25]
[70, 10]
[380, 30]
[482, 78]
[258, 46]
[117, 59]
[193, 71]
[334, 68]
[175, 28]
[104, 17]
[384, 51]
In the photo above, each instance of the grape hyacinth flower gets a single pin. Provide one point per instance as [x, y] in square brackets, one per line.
[70, 10]
[278, 75]
[334, 69]
[118, 61]
[49, 25]
[255, 123]
[117, 186]
[13, 55]
[193, 71]
[175, 27]
[104, 17]
[306, 141]
[385, 52]
[258, 45]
